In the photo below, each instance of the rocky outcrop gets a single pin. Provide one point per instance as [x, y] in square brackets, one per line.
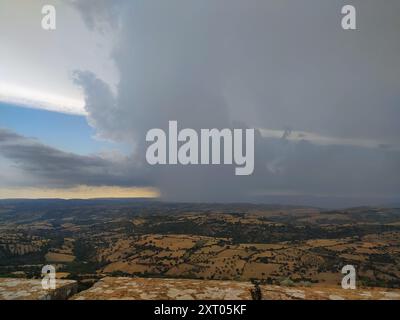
[26, 289]
[111, 288]
[123, 288]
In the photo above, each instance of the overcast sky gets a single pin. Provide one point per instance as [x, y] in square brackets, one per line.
[324, 101]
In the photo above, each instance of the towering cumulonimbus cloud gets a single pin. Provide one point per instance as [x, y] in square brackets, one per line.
[263, 64]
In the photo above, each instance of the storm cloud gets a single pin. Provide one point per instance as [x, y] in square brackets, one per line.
[39, 164]
[283, 66]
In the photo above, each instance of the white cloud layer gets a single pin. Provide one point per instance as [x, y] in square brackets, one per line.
[30, 98]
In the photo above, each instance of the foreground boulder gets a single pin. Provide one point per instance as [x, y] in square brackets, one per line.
[165, 289]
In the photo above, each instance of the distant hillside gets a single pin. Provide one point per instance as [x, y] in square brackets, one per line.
[90, 239]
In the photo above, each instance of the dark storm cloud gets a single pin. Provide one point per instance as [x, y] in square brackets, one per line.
[267, 64]
[56, 168]
[6, 135]
[276, 63]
